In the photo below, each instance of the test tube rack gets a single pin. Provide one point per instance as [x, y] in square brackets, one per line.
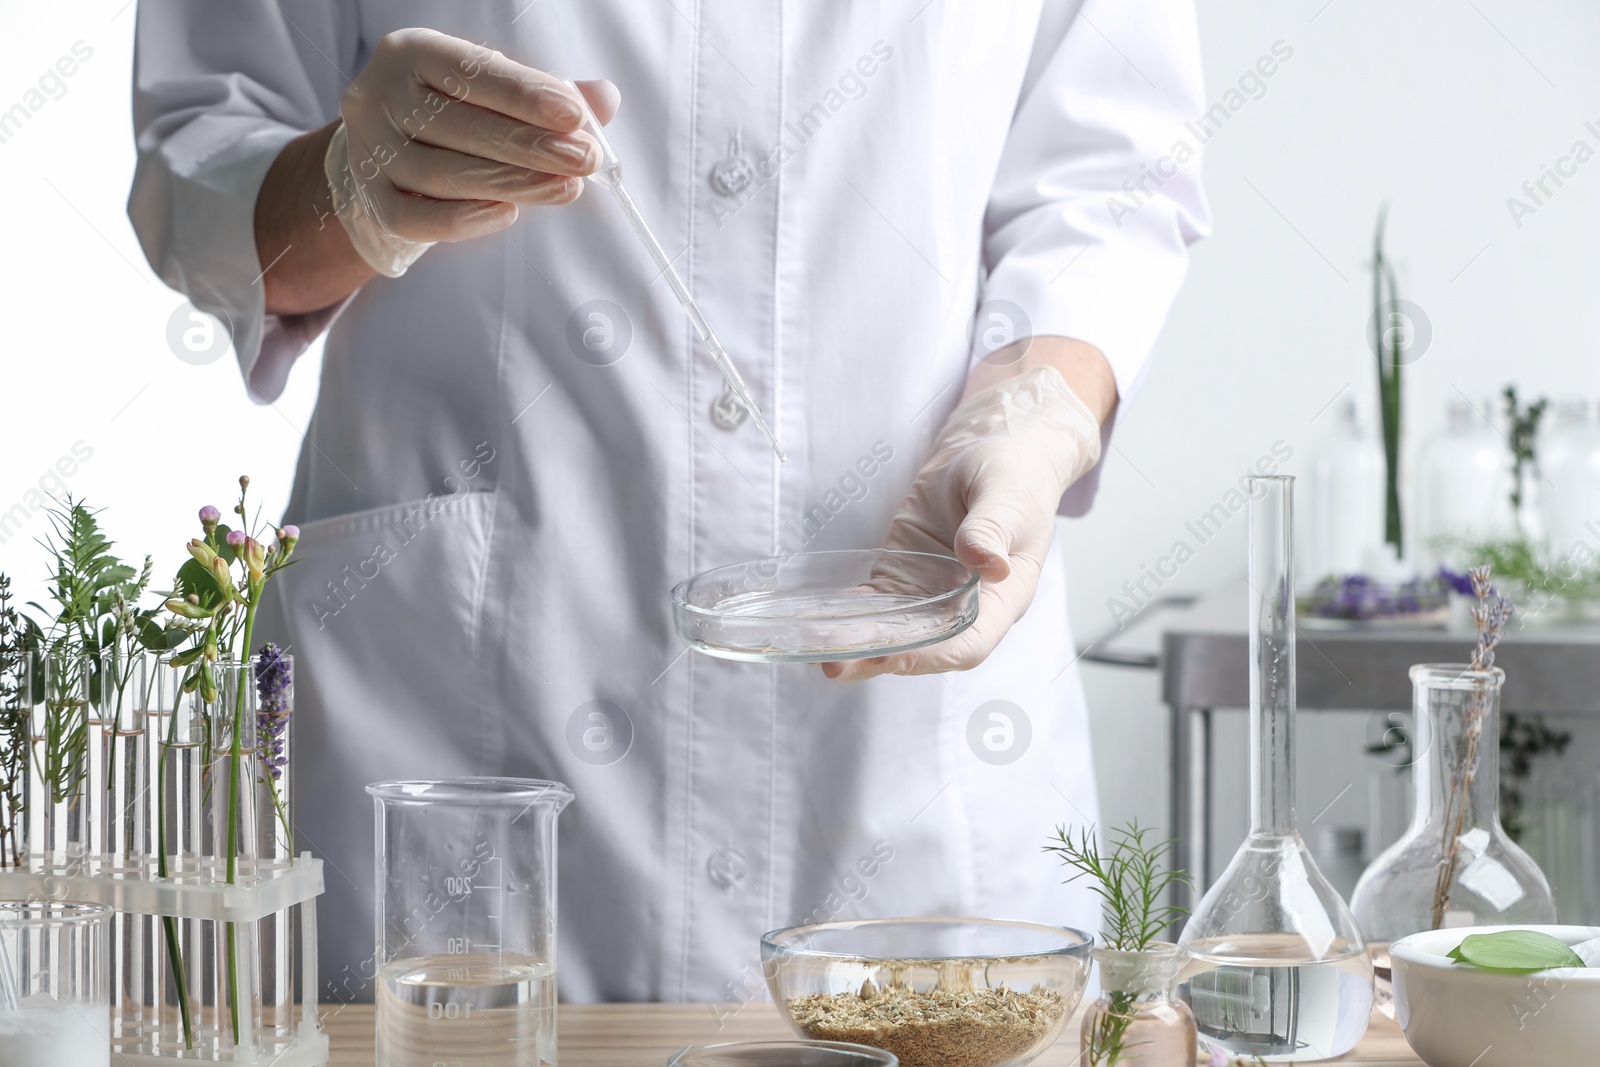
[143, 1030]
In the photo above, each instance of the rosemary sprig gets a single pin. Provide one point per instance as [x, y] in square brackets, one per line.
[1130, 882]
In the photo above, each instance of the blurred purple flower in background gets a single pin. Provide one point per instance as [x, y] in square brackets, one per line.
[1460, 581]
[1361, 597]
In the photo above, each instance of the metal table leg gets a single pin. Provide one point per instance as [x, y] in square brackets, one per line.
[1190, 785]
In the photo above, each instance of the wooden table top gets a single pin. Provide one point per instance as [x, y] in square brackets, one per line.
[645, 1035]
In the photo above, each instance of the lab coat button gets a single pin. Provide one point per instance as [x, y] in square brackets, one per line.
[733, 173]
[731, 176]
[726, 411]
[726, 868]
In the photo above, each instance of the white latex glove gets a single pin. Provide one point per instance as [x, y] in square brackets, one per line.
[988, 496]
[441, 140]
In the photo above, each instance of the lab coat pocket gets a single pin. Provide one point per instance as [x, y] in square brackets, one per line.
[382, 608]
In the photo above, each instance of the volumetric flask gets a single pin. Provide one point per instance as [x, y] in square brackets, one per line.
[466, 922]
[1279, 970]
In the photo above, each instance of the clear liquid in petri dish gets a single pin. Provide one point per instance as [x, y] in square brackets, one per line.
[1260, 996]
[472, 1010]
[815, 605]
[844, 621]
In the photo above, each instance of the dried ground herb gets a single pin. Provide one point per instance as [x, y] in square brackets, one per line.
[936, 1028]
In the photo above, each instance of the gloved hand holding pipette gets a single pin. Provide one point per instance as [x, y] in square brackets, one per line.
[438, 139]
[481, 135]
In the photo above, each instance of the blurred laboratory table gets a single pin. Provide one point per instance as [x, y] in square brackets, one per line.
[1204, 660]
[646, 1035]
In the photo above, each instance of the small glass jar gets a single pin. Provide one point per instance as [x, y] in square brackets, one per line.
[1137, 1022]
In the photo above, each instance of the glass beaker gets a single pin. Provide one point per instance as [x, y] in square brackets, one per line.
[466, 921]
[1279, 968]
[54, 1005]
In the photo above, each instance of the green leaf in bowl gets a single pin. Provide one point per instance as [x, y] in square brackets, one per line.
[1515, 952]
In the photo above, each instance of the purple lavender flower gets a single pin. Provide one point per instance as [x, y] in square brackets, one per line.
[1362, 597]
[1460, 581]
[273, 678]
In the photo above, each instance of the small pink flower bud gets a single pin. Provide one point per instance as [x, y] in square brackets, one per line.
[255, 558]
[236, 538]
[209, 515]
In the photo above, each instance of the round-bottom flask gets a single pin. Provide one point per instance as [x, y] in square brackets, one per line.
[1455, 865]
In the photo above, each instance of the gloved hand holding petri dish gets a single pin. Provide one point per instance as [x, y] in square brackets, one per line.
[959, 565]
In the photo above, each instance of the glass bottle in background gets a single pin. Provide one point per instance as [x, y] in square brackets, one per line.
[1137, 1022]
[1463, 488]
[1279, 967]
[1345, 517]
[1569, 462]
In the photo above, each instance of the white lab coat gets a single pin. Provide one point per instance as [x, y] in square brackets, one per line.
[491, 524]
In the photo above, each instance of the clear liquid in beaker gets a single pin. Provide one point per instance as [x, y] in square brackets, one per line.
[1260, 996]
[471, 1010]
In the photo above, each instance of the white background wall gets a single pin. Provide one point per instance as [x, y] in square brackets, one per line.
[1441, 107]
[83, 342]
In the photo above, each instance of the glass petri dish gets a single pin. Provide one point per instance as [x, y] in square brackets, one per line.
[815, 607]
[783, 1054]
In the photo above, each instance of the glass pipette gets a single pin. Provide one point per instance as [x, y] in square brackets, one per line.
[609, 176]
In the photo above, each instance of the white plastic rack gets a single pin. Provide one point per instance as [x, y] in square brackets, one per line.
[140, 1037]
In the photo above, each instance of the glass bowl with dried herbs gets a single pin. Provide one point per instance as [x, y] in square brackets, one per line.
[974, 992]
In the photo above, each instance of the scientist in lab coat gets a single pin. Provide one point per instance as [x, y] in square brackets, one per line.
[939, 240]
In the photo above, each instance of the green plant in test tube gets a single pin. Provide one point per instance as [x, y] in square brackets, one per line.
[217, 595]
